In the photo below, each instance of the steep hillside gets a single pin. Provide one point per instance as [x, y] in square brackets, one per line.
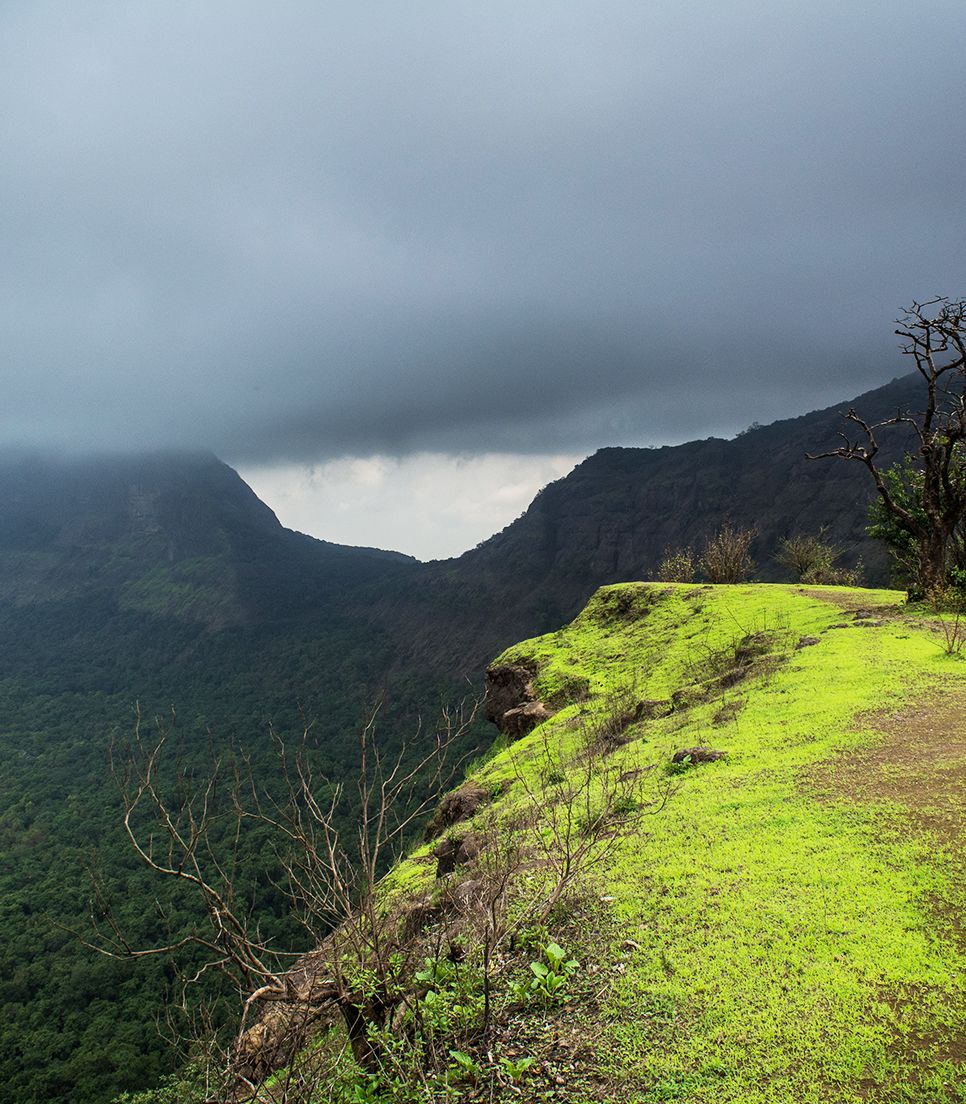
[613, 518]
[759, 791]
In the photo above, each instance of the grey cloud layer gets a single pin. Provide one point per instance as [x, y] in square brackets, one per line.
[285, 232]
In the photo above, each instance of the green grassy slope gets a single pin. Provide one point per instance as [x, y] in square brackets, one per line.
[775, 933]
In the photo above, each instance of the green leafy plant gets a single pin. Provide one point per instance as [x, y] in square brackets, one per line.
[451, 1003]
[466, 1066]
[551, 976]
[437, 973]
[515, 1068]
[681, 766]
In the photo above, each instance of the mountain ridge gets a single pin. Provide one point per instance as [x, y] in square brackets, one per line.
[619, 511]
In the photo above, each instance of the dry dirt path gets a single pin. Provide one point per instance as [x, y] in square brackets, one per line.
[920, 764]
[919, 767]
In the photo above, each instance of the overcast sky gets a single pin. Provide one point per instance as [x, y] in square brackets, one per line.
[442, 250]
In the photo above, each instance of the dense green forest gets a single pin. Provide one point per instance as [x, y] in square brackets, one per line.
[76, 1026]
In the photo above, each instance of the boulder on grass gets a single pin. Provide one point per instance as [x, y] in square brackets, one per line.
[525, 718]
[458, 805]
[698, 755]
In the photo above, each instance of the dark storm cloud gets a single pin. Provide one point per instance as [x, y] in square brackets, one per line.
[298, 231]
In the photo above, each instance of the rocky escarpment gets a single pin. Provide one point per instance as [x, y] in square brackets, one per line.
[510, 701]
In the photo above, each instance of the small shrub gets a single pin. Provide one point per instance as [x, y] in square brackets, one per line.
[811, 558]
[950, 604]
[678, 566]
[726, 557]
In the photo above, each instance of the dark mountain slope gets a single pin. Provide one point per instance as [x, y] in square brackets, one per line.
[615, 515]
[172, 535]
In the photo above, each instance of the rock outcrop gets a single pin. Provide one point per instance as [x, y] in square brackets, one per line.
[510, 701]
[458, 805]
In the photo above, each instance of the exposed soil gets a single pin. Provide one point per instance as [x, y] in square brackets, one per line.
[920, 764]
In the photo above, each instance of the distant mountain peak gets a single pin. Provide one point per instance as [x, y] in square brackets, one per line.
[176, 533]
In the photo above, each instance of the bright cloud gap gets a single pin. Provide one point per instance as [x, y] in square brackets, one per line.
[429, 505]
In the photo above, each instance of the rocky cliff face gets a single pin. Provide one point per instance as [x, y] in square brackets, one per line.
[613, 518]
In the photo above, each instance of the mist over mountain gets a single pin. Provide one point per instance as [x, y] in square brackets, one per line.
[168, 533]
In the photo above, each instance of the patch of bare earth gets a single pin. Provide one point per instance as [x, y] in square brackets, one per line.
[919, 766]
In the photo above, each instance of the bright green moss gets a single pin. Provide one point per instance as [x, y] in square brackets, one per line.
[788, 944]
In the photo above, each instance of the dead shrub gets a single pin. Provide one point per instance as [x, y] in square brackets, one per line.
[726, 557]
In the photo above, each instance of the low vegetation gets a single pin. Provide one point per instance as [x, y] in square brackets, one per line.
[670, 894]
[814, 560]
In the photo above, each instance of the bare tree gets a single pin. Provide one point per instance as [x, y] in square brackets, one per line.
[922, 507]
[192, 835]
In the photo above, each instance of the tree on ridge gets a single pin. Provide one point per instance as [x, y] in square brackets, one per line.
[921, 505]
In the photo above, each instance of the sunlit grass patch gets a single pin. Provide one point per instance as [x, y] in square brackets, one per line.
[785, 947]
